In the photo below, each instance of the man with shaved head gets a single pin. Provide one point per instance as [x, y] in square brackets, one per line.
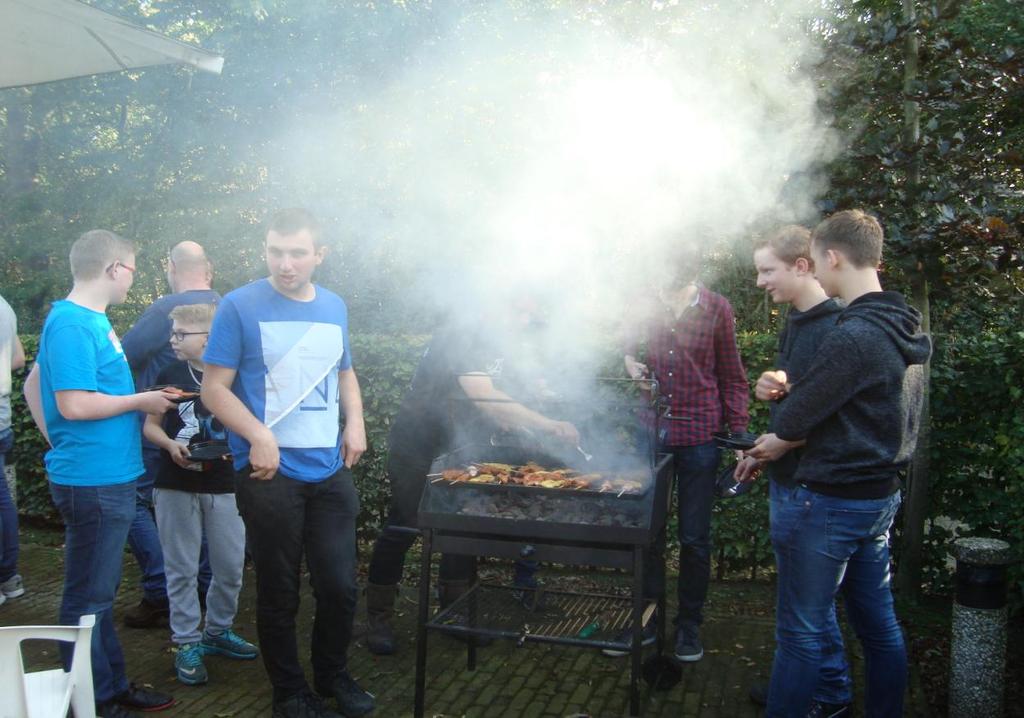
[147, 346]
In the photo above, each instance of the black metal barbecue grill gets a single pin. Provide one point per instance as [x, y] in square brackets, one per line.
[576, 526]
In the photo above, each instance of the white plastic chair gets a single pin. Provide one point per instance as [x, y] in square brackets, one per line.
[47, 694]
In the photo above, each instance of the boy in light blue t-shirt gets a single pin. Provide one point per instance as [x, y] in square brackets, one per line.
[278, 370]
[83, 400]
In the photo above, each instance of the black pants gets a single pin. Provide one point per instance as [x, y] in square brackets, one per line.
[696, 468]
[408, 476]
[285, 519]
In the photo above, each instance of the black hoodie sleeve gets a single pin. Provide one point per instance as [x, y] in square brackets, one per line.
[832, 378]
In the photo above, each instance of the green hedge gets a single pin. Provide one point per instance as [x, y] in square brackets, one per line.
[977, 457]
[385, 366]
[739, 526]
[977, 448]
[29, 447]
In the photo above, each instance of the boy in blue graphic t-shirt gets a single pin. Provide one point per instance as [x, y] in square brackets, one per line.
[278, 371]
[83, 400]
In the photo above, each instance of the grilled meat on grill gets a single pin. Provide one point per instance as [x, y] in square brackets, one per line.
[532, 474]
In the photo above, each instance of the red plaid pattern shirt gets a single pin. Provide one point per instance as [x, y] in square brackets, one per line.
[699, 370]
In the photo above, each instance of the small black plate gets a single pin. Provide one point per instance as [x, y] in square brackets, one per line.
[191, 388]
[741, 440]
[208, 451]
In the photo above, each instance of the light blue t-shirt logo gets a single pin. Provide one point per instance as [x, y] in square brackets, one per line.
[301, 382]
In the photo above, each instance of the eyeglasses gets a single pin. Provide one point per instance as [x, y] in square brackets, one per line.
[180, 336]
[119, 263]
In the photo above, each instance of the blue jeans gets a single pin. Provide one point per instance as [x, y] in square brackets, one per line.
[834, 684]
[8, 515]
[96, 521]
[143, 538]
[695, 469]
[826, 545]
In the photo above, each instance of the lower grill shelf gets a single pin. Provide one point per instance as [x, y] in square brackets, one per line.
[561, 617]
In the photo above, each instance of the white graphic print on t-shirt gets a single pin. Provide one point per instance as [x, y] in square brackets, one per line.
[190, 425]
[301, 360]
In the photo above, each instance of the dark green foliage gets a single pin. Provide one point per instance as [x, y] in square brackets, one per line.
[979, 431]
[978, 446]
[29, 447]
[169, 154]
[739, 526]
[384, 364]
[949, 198]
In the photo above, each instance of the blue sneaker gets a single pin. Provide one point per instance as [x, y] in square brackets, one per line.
[188, 664]
[228, 644]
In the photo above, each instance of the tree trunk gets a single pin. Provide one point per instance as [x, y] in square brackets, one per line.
[21, 146]
[915, 510]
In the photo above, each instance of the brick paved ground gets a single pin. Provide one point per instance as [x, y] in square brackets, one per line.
[509, 681]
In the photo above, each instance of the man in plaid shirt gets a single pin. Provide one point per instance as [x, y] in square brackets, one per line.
[690, 336]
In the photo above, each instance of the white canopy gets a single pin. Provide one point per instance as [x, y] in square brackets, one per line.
[46, 40]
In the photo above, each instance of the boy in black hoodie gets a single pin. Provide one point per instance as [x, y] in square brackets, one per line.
[858, 408]
[785, 271]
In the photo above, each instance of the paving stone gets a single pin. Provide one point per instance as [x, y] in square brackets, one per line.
[530, 681]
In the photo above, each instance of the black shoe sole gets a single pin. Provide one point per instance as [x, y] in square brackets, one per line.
[150, 709]
[159, 621]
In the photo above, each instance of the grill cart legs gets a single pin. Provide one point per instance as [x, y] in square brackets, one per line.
[423, 613]
[636, 653]
[488, 611]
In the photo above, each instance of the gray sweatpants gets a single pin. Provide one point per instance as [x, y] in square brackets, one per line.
[181, 519]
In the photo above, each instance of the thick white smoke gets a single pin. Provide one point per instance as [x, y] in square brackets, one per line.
[575, 150]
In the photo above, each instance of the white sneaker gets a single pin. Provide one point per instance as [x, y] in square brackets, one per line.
[12, 587]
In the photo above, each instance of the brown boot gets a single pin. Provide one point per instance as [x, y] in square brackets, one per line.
[380, 608]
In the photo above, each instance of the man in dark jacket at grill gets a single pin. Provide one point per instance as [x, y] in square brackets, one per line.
[858, 407]
[461, 393]
[785, 272]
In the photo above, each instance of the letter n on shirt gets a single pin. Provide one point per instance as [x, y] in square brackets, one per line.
[301, 360]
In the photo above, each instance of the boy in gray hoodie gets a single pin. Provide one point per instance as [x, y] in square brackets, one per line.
[857, 406]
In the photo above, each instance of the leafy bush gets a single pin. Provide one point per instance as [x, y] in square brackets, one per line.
[739, 526]
[385, 364]
[29, 448]
[977, 453]
[977, 447]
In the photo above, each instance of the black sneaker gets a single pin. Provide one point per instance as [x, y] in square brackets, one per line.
[688, 646]
[304, 704]
[759, 694]
[353, 701]
[148, 614]
[113, 710]
[142, 699]
[829, 710]
[647, 638]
